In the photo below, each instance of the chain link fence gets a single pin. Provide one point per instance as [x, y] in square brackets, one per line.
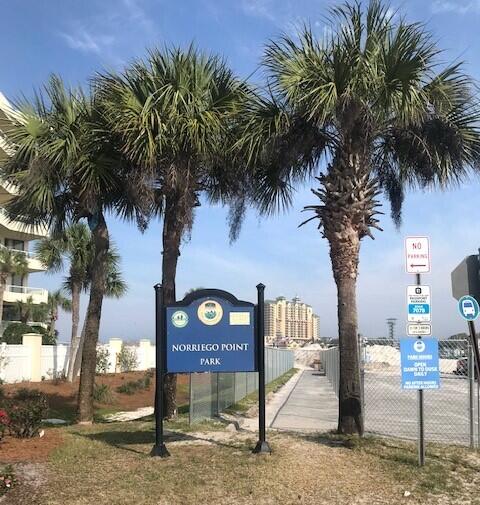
[211, 393]
[451, 413]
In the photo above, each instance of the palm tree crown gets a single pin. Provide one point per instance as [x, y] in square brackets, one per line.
[11, 263]
[373, 89]
[174, 116]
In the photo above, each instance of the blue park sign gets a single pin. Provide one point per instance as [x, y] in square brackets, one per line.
[419, 363]
[211, 331]
[468, 307]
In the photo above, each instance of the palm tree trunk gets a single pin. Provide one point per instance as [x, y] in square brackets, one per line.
[53, 322]
[344, 254]
[78, 356]
[172, 235]
[94, 311]
[2, 294]
[75, 338]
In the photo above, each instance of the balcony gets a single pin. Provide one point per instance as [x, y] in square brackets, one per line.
[34, 264]
[22, 231]
[23, 293]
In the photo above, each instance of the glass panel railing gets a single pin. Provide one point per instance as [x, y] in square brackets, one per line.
[25, 290]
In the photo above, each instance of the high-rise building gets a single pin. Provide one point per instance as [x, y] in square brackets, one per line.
[291, 322]
[16, 235]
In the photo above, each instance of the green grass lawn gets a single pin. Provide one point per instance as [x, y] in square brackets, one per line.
[110, 465]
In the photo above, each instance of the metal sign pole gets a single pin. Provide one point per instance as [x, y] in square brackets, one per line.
[159, 449]
[471, 384]
[421, 423]
[474, 343]
[262, 444]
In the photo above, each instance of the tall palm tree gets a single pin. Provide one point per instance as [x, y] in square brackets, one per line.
[11, 263]
[66, 167]
[373, 102]
[174, 114]
[74, 246]
[56, 300]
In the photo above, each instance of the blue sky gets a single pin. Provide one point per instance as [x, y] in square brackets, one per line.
[76, 39]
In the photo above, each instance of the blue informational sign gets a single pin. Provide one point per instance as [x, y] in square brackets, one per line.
[419, 309]
[211, 334]
[468, 307]
[419, 363]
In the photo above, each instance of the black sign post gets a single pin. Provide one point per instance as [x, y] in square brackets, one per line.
[159, 449]
[262, 444]
[466, 282]
[210, 330]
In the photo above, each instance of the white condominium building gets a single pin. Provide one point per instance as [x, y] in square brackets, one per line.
[16, 235]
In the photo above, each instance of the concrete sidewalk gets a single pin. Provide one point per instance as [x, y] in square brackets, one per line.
[310, 406]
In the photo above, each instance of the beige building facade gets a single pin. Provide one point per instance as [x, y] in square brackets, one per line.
[290, 322]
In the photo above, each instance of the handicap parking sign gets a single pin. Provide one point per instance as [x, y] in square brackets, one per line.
[419, 363]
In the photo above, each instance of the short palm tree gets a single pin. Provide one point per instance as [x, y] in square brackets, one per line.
[56, 300]
[372, 100]
[66, 168]
[29, 311]
[11, 263]
[115, 287]
[73, 246]
[174, 114]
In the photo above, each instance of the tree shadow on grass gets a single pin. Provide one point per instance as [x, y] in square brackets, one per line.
[125, 439]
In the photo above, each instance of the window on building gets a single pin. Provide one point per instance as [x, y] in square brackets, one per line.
[12, 243]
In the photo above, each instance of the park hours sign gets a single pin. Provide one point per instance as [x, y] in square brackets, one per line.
[417, 255]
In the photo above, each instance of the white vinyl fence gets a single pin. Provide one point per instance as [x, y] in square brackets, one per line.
[34, 362]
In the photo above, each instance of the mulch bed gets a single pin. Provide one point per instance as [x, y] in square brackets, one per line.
[61, 395]
[32, 450]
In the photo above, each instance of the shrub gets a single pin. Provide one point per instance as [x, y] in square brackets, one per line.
[102, 393]
[26, 410]
[130, 387]
[4, 422]
[14, 332]
[7, 480]
[127, 359]
[103, 362]
[56, 377]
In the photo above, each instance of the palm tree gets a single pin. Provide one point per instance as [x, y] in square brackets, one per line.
[372, 100]
[66, 167]
[74, 246]
[56, 300]
[11, 263]
[115, 287]
[29, 311]
[174, 114]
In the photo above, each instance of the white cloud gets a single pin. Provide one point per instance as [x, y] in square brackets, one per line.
[83, 40]
[137, 14]
[456, 6]
[119, 24]
[261, 8]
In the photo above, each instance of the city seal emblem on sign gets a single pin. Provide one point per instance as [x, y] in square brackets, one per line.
[179, 319]
[210, 312]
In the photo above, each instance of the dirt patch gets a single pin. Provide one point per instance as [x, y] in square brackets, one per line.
[30, 479]
[62, 395]
[214, 467]
[32, 450]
